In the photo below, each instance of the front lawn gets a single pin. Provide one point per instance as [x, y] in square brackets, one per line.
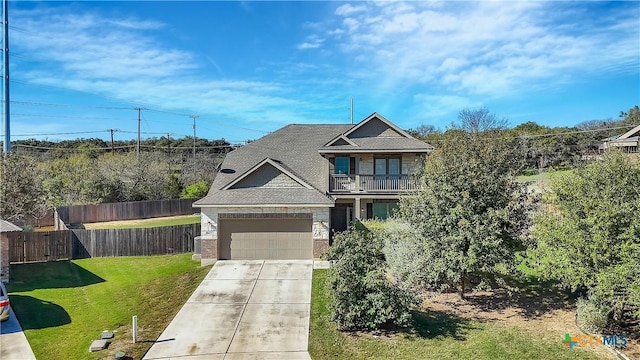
[434, 335]
[64, 305]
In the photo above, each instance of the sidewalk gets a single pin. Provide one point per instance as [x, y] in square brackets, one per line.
[13, 343]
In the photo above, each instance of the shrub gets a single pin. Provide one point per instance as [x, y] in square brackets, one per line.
[591, 317]
[588, 234]
[195, 191]
[404, 253]
[362, 297]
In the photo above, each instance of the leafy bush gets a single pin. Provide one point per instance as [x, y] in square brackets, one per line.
[404, 253]
[591, 317]
[362, 297]
[469, 212]
[195, 191]
[588, 234]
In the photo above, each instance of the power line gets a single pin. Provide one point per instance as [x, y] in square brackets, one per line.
[67, 116]
[69, 105]
[63, 133]
[541, 135]
[218, 122]
[122, 147]
[70, 149]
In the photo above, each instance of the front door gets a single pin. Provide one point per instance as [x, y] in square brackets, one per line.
[341, 217]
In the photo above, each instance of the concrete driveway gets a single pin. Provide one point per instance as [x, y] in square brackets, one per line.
[13, 343]
[243, 309]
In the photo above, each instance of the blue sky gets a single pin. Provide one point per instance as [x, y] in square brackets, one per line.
[247, 68]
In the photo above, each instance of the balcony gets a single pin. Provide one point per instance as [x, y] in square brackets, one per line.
[370, 183]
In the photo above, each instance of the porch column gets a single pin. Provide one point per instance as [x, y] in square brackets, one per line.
[357, 209]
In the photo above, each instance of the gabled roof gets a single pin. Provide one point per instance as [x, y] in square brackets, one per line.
[342, 139]
[631, 133]
[382, 136]
[294, 149]
[273, 163]
[373, 116]
[6, 226]
[267, 172]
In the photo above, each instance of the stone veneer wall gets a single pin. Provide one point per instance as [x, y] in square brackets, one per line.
[209, 219]
[4, 257]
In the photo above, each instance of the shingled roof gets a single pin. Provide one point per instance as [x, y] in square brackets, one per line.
[6, 226]
[286, 167]
[375, 134]
[296, 148]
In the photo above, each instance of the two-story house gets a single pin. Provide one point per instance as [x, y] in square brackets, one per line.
[628, 142]
[284, 195]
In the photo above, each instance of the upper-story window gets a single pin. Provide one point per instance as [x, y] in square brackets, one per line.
[344, 165]
[387, 165]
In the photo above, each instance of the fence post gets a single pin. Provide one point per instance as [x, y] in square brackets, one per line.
[24, 248]
[134, 328]
[70, 244]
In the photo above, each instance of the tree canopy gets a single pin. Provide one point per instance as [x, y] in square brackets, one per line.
[588, 233]
[470, 211]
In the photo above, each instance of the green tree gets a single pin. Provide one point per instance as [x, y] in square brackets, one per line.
[172, 188]
[588, 233]
[23, 200]
[195, 191]
[74, 180]
[470, 212]
[362, 295]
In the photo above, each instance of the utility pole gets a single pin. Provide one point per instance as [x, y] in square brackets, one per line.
[169, 152]
[194, 117]
[7, 125]
[138, 144]
[112, 131]
[351, 111]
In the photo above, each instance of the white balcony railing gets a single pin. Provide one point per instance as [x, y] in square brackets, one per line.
[356, 183]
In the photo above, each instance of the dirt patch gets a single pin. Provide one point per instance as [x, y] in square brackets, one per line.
[549, 319]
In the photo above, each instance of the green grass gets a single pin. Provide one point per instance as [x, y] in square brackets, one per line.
[146, 223]
[64, 305]
[433, 335]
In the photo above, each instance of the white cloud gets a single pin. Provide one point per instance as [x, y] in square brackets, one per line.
[489, 49]
[312, 42]
[348, 9]
[133, 23]
[124, 59]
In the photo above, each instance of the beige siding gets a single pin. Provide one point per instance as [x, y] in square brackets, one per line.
[410, 163]
[374, 128]
[267, 176]
[366, 164]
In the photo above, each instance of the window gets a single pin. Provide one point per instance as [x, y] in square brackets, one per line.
[344, 165]
[394, 166]
[387, 166]
[384, 210]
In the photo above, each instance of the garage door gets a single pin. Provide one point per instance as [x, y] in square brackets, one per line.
[265, 239]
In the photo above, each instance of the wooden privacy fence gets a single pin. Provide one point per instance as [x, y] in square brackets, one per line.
[123, 211]
[78, 244]
[39, 246]
[134, 242]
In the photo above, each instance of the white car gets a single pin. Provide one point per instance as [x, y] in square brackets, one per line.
[4, 303]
